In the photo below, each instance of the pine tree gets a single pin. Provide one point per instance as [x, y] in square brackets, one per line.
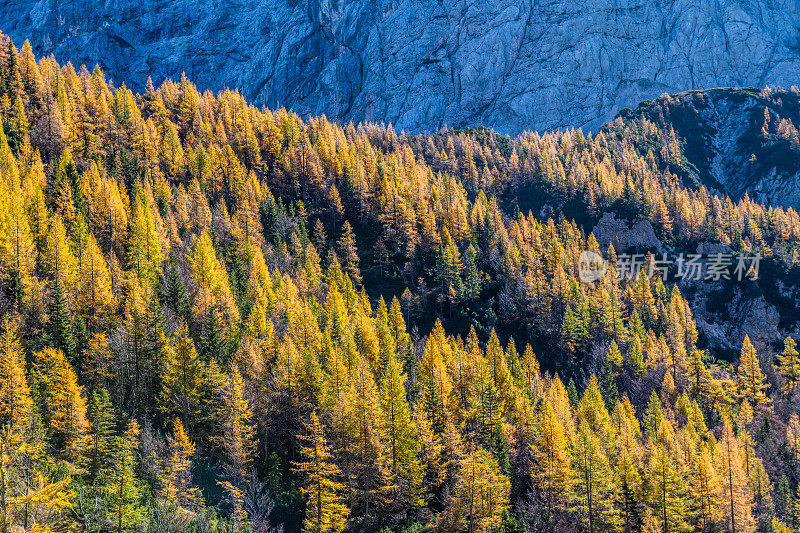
[59, 322]
[472, 276]
[784, 500]
[325, 512]
[99, 435]
[121, 488]
[175, 292]
[214, 344]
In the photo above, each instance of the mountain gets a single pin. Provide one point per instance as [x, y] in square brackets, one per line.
[423, 64]
[734, 141]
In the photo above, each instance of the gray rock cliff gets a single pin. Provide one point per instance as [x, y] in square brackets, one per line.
[421, 64]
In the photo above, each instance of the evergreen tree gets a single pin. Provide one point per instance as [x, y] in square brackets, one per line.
[59, 322]
[214, 344]
[472, 276]
[121, 488]
[175, 292]
[101, 421]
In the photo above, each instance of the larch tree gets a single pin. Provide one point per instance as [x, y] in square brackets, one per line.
[22, 495]
[181, 376]
[15, 396]
[178, 468]
[368, 465]
[481, 495]
[593, 484]
[64, 407]
[552, 470]
[706, 489]
[666, 492]
[348, 253]
[399, 437]
[750, 379]
[737, 496]
[237, 441]
[789, 365]
[325, 512]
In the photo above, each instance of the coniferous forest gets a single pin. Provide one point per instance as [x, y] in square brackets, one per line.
[222, 318]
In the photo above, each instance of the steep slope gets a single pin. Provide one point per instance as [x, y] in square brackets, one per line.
[734, 141]
[421, 64]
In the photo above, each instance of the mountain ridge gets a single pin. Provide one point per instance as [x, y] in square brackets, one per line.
[422, 65]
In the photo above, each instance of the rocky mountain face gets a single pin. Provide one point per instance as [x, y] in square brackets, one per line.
[423, 64]
[733, 141]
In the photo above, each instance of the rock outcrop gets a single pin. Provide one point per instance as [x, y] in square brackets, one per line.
[624, 235]
[423, 64]
[734, 141]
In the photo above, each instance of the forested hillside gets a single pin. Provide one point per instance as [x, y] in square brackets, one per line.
[737, 140]
[220, 318]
